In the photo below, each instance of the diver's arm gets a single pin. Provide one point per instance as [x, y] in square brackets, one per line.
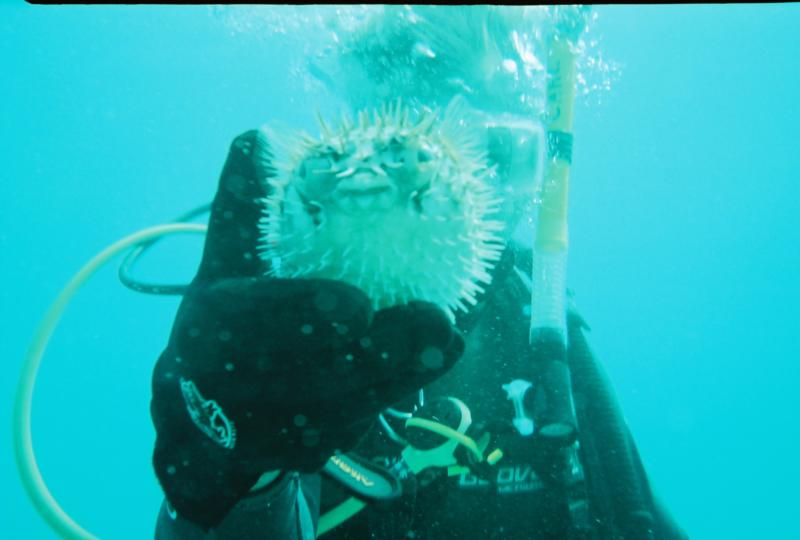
[200, 478]
[263, 374]
[257, 378]
[619, 491]
[665, 525]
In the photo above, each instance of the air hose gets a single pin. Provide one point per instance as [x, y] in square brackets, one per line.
[616, 485]
[31, 476]
[126, 268]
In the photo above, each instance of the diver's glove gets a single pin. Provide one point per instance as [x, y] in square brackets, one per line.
[264, 374]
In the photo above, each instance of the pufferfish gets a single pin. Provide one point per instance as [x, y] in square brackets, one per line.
[401, 208]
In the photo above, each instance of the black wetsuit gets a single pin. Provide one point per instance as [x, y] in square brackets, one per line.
[594, 489]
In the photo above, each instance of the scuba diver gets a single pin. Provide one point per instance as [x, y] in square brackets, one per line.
[357, 355]
[291, 408]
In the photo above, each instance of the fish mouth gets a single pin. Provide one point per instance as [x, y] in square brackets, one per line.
[358, 192]
[357, 197]
[363, 183]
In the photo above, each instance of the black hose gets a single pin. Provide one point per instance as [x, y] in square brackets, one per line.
[615, 480]
[126, 268]
[552, 408]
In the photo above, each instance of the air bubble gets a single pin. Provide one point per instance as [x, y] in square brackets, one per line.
[325, 301]
[509, 65]
[341, 329]
[423, 49]
[432, 358]
[311, 437]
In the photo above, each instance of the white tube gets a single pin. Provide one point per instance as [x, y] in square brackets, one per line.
[548, 291]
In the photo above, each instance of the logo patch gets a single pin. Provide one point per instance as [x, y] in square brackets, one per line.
[208, 416]
[510, 479]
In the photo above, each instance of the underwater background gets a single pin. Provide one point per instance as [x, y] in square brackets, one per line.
[684, 220]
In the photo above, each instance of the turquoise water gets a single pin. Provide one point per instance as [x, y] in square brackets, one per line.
[684, 238]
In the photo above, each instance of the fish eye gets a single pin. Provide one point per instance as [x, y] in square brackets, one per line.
[316, 175]
[395, 145]
[416, 201]
[418, 194]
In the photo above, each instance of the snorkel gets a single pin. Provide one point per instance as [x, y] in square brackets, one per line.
[553, 410]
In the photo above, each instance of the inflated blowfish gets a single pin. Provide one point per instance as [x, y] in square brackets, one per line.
[398, 207]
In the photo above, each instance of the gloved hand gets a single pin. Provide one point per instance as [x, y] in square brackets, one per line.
[263, 374]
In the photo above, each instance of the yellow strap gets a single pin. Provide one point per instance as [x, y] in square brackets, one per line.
[455, 470]
[447, 432]
[495, 456]
[339, 514]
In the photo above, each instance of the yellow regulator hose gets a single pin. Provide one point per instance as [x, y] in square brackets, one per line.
[42, 499]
